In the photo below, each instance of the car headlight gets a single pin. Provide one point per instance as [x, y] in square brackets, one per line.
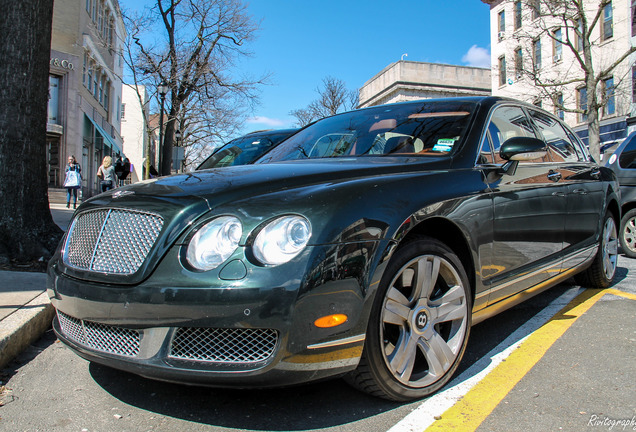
[214, 243]
[282, 239]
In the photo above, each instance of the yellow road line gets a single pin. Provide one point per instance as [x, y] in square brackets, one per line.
[483, 398]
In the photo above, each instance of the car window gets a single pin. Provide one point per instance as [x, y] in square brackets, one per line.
[244, 150]
[509, 122]
[627, 158]
[430, 128]
[486, 154]
[560, 146]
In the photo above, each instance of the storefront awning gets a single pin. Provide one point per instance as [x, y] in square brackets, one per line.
[111, 142]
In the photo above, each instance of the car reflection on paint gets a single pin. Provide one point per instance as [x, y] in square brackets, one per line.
[365, 245]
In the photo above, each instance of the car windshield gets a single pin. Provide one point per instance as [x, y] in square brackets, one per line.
[428, 128]
[244, 150]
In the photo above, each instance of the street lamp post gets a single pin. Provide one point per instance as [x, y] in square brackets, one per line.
[177, 138]
[163, 90]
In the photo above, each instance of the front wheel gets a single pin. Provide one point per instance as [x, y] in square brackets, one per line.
[601, 273]
[419, 324]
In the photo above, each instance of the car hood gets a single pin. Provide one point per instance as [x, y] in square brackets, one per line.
[219, 186]
[182, 199]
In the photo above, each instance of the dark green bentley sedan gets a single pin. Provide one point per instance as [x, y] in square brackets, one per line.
[366, 245]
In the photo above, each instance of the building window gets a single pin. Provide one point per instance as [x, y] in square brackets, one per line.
[608, 97]
[518, 63]
[536, 54]
[557, 45]
[54, 101]
[89, 76]
[85, 68]
[518, 15]
[123, 111]
[578, 34]
[581, 97]
[608, 22]
[107, 96]
[100, 16]
[89, 6]
[558, 110]
[535, 7]
[633, 18]
[96, 75]
[102, 81]
[502, 70]
[502, 25]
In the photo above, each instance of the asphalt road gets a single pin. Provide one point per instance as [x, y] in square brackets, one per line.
[584, 380]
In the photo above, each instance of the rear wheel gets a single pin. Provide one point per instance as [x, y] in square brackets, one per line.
[628, 233]
[419, 324]
[601, 273]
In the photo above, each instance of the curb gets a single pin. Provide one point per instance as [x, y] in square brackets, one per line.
[24, 326]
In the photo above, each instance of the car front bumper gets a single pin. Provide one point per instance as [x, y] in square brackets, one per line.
[235, 336]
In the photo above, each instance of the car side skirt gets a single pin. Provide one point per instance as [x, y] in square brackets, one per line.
[507, 303]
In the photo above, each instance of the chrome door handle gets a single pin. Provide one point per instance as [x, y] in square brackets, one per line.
[580, 191]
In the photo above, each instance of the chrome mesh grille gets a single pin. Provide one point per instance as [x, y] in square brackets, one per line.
[224, 345]
[111, 240]
[101, 337]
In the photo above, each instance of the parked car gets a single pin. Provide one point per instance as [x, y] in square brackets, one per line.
[623, 163]
[246, 149]
[367, 244]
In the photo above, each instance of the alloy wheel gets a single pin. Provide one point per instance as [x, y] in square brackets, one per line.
[610, 248]
[423, 321]
[629, 234]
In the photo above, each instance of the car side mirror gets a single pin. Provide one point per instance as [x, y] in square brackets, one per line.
[521, 149]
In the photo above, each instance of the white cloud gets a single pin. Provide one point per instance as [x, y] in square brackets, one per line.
[269, 122]
[477, 56]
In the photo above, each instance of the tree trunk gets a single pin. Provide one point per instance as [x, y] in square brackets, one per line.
[593, 127]
[27, 230]
[168, 143]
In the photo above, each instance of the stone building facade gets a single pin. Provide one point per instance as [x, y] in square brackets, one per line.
[410, 80]
[525, 43]
[85, 88]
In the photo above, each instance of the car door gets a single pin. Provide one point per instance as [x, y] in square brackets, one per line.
[529, 213]
[584, 187]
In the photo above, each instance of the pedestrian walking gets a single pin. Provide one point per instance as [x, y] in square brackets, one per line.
[106, 174]
[72, 180]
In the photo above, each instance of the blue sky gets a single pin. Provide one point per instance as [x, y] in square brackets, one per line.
[301, 42]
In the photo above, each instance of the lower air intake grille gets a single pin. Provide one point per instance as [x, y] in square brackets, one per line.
[224, 345]
[101, 337]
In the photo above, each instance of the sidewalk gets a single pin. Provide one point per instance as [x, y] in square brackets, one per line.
[25, 310]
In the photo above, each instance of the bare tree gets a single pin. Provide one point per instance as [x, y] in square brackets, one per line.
[578, 28]
[193, 47]
[334, 97]
[27, 230]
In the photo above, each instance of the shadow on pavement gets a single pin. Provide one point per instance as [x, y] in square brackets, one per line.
[311, 406]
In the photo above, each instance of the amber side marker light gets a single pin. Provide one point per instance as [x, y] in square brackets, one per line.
[330, 321]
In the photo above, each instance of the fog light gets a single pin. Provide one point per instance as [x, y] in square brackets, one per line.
[330, 321]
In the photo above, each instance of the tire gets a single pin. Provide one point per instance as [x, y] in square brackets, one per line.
[417, 331]
[628, 233]
[601, 273]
